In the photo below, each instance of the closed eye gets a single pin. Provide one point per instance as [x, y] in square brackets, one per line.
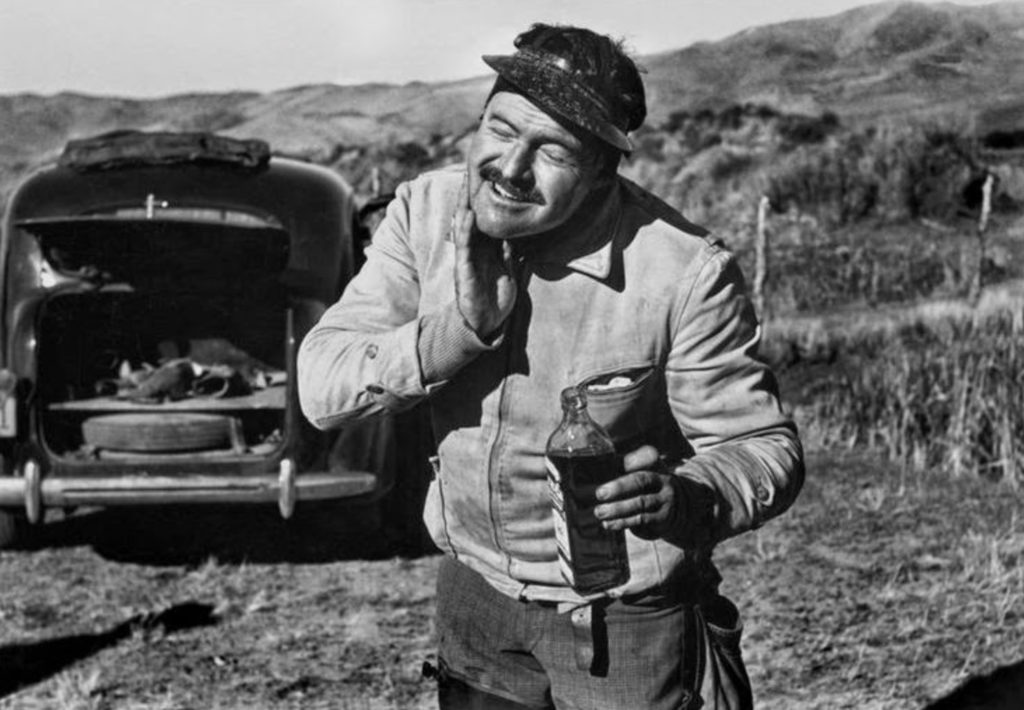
[500, 129]
[559, 155]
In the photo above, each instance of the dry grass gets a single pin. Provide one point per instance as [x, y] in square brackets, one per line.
[888, 585]
[878, 590]
[948, 394]
[339, 630]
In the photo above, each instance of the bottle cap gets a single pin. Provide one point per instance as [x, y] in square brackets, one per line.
[574, 398]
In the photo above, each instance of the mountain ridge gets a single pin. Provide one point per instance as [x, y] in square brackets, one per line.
[871, 63]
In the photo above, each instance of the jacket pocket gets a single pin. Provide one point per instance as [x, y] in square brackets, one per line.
[627, 402]
[725, 684]
[435, 515]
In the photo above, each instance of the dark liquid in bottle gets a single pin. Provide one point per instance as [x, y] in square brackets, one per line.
[597, 557]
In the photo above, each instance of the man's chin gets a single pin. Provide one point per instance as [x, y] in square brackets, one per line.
[502, 227]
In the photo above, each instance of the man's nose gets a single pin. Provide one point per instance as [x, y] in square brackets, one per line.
[517, 163]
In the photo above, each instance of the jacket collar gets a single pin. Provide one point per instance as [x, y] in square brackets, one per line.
[588, 249]
[597, 264]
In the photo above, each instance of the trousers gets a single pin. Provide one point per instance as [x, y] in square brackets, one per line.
[498, 652]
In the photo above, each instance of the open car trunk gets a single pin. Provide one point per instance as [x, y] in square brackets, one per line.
[162, 338]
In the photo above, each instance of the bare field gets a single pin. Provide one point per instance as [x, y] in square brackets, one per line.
[876, 591]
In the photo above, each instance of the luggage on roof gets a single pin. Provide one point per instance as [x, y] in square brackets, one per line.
[129, 148]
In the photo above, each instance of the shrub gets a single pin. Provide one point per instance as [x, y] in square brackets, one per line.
[1004, 140]
[797, 129]
[894, 172]
[650, 145]
[948, 396]
[730, 164]
[411, 154]
[821, 275]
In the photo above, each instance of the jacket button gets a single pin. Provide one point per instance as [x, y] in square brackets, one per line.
[371, 350]
[374, 389]
[762, 493]
[689, 701]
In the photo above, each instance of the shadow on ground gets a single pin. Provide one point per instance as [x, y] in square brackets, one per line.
[26, 663]
[1002, 689]
[176, 535]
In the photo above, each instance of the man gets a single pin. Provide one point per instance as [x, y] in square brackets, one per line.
[492, 286]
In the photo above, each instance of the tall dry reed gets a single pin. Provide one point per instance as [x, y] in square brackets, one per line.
[948, 395]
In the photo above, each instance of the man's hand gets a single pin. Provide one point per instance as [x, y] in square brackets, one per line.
[485, 287]
[646, 499]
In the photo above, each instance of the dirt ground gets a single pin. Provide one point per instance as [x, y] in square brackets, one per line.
[878, 590]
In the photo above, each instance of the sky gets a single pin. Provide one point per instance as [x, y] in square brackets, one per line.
[152, 48]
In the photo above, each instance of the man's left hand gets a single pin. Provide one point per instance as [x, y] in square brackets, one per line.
[646, 499]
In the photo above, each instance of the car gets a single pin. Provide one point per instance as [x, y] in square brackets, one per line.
[155, 288]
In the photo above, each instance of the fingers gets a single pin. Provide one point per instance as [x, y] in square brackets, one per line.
[629, 485]
[462, 201]
[647, 511]
[632, 500]
[463, 220]
[641, 501]
[485, 288]
[646, 457]
[465, 223]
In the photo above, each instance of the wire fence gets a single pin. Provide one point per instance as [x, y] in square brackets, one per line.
[792, 275]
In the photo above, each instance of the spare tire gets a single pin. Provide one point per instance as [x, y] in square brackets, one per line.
[160, 431]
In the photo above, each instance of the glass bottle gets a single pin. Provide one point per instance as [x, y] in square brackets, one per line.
[581, 457]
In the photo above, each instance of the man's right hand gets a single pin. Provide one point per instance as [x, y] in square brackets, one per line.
[485, 286]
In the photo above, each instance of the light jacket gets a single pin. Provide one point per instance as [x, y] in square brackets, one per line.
[639, 292]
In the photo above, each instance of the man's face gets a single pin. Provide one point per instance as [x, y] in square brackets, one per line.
[528, 173]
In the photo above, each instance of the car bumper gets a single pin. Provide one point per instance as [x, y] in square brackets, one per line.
[33, 492]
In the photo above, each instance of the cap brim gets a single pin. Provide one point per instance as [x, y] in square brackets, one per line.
[556, 90]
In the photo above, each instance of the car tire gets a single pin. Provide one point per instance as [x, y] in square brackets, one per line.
[158, 432]
[10, 528]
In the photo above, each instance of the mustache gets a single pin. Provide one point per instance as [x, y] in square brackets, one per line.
[522, 192]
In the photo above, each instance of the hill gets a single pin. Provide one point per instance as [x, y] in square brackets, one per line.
[878, 60]
[889, 59]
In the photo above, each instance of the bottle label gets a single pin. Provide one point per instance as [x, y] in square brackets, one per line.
[561, 523]
[591, 558]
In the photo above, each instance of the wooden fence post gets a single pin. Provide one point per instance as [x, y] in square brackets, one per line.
[986, 209]
[761, 259]
[375, 181]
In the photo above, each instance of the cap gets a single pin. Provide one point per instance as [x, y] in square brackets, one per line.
[579, 75]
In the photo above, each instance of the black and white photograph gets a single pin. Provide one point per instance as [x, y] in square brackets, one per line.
[491, 355]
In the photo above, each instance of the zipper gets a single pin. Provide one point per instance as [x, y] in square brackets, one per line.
[520, 273]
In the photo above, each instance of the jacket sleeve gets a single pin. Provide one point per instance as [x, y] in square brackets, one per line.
[748, 463]
[375, 350]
